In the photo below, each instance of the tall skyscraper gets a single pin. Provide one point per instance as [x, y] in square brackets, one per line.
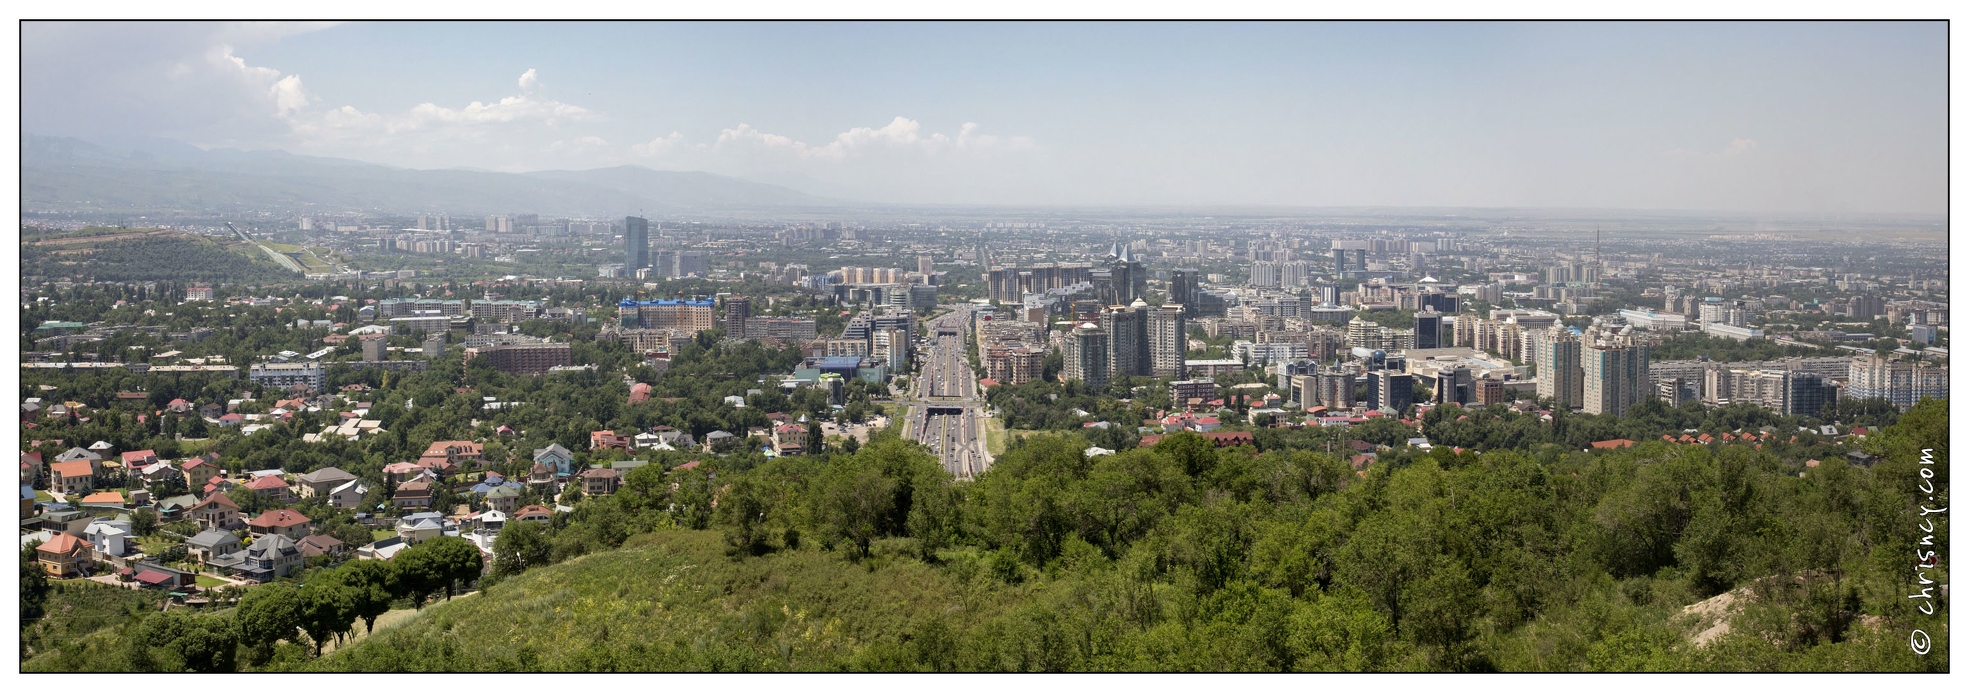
[1391, 390]
[635, 244]
[1555, 353]
[1087, 355]
[1183, 288]
[1169, 341]
[924, 265]
[1428, 330]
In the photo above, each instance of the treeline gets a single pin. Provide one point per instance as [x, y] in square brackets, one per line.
[278, 621]
[1188, 557]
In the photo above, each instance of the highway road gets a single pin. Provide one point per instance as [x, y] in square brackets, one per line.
[945, 409]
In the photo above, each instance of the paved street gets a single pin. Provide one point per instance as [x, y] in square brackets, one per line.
[945, 407]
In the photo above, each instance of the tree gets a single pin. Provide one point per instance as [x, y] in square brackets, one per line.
[372, 586]
[181, 641]
[854, 497]
[328, 609]
[521, 545]
[267, 614]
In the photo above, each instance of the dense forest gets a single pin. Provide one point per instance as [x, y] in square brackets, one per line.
[1177, 557]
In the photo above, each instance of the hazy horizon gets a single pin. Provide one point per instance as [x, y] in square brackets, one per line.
[1790, 118]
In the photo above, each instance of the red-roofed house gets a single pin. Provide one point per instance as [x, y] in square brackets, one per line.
[104, 499]
[197, 471]
[458, 452]
[216, 512]
[78, 476]
[286, 523]
[64, 554]
[399, 472]
[608, 440]
[272, 486]
[137, 459]
[534, 513]
[789, 439]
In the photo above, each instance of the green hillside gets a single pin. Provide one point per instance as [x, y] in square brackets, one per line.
[146, 255]
[1188, 558]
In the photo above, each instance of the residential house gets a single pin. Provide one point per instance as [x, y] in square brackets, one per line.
[154, 576]
[415, 493]
[179, 406]
[418, 528]
[64, 555]
[503, 497]
[217, 512]
[609, 440]
[104, 500]
[199, 471]
[534, 513]
[542, 476]
[556, 456]
[72, 476]
[28, 499]
[789, 439]
[270, 556]
[348, 495]
[110, 539]
[382, 549]
[272, 486]
[400, 472]
[175, 508]
[82, 455]
[31, 467]
[287, 523]
[162, 475]
[599, 482]
[463, 453]
[320, 545]
[321, 481]
[210, 544]
[138, 459]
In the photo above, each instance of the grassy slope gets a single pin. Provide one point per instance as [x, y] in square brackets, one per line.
[674, 601]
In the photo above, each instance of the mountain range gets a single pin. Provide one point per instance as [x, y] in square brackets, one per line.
[65, 174]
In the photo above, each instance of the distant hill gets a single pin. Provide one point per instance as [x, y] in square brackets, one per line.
[69, 174]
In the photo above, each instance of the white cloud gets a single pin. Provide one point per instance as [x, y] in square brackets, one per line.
[1740, 147]
[288, 96]
[529, 79]
[901, 135]
[659, 146]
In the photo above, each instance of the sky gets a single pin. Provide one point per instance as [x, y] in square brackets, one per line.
[1762, 117]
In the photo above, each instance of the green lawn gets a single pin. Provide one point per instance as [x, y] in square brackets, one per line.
[42, 496]
[381, 534]
[995, 435]
[205, 581]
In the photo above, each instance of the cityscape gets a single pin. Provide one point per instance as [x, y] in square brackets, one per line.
[297, 412]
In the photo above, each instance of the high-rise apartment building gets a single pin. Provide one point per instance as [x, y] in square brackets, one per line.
[1555, 352]
[1613, 374]
[1087, 355]
[738, 316]
[1169, 340]
[1128, 338]
[1901, 382]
